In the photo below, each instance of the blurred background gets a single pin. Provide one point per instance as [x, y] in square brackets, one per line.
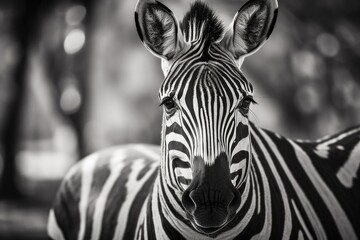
[75, 78]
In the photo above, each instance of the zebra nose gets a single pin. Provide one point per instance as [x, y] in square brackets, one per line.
[189, 199]
[211, 208]
[235, 202]
[187, 202]
[211, 200]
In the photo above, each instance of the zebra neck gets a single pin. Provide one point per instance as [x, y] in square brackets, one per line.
[165, 215]
[252, 217]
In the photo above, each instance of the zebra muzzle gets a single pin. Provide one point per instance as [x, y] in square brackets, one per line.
[211, 199]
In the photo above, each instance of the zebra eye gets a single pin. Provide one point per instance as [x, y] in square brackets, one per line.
[169, 104]
[245, 104]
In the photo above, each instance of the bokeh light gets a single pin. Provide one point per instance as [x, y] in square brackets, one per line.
[74, 41]
[307, 64]
[328, 44]
[345, 91]
[307, 99]
[75, 15]
[70, 99]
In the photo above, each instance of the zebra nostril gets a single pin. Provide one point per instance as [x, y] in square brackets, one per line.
[188, 202]
[235, 202]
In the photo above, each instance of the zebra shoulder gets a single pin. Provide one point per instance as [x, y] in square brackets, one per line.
[326, 171]
[339, 154]
[99, 184]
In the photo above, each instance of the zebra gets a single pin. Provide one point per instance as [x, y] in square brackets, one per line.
[216, 175]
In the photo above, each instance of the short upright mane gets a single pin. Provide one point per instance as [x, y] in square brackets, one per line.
[201, 22]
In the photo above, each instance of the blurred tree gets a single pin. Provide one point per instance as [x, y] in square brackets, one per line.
[67, 65]
[27, 20]
[21, 24]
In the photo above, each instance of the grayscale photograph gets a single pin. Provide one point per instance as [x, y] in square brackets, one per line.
[179, 119]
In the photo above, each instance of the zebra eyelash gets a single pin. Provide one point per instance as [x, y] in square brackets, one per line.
[249, 98]
[253, 101]
[170, 97]
[165, 99]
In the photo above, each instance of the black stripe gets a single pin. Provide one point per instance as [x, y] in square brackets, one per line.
[149, 220]
[288, 153]
[328, 171]
[170, 204]
[180, 164]
[255, 224]
[114, 202]
[100, 175]
[277, 204]
[171, 232]
[136, 206]
[143, 171]
[272, 25]
[138, 28]
[183, 180]
[66, 205]
[240, 156]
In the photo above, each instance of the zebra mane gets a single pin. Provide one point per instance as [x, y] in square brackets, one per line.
[201, 22]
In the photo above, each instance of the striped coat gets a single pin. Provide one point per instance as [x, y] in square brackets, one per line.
[216, 175]
[296, 190]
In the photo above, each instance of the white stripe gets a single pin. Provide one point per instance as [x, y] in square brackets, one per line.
[171, 199]
[178, 154]
[243, 144]
[236, 230]
[185, 172]
[53, 228]
[347, 172]
[234, 180]
[301, 220]
[284, 197]
[266, 230]
[176, 138]
[307, 207]
[142, 218]
[184, 186]
[159, 231]
[180, 226]
[256, 182]
[237, 166]
[342, 222]
[116, 165]
[300, 235]
[133, 187]
[322, 150]
[87, 168]
[332, 140]
[306, 204]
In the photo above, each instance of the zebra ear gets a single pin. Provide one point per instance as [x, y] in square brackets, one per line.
[157, 28]
[251, 27]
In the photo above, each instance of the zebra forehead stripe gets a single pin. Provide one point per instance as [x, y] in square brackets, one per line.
[194, 27]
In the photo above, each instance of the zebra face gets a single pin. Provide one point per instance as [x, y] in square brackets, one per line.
[206, 150]
[206, 140]
[205, 117]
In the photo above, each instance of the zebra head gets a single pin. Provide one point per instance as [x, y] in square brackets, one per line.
[206, 146]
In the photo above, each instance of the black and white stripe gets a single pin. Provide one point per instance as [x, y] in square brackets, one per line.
[291, 192]
[288, 189]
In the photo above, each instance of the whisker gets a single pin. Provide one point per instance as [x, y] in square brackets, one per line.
[256, 119]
